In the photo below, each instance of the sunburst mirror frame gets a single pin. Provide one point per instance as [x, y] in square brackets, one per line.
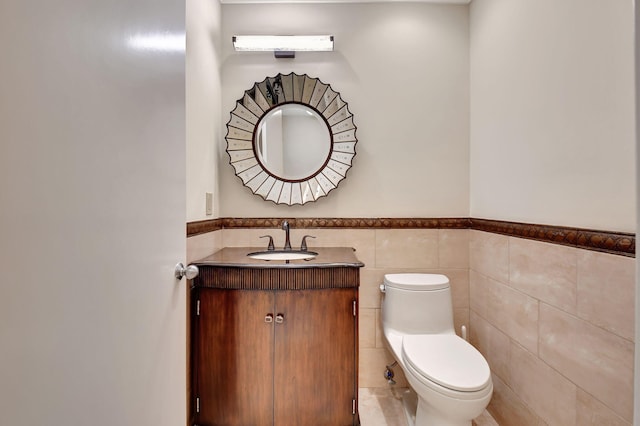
[271, 93]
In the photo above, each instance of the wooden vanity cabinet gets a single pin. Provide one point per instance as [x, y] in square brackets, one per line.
[275, 347]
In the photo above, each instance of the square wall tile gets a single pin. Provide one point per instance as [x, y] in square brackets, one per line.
[545, 271]
[606, 291]
[370, 280]
[406, 248]
[509, 410]
[239, 237]
[362, 240]
[367, 327]
[489, 254]
[203, 245]
[459, 282]
[372, 365]
[379, 333]
[598, 361]
[592, 412]
[547, 392]
[512, 312]
[479, 293]
[493, 344]
[453, 248]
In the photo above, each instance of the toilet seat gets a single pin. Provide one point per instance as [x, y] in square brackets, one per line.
[446, 360]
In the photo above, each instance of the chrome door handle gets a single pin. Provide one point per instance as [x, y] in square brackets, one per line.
[279, 318]
[268, 318]
[190, 271]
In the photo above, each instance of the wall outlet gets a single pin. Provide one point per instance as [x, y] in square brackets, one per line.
[209, 203]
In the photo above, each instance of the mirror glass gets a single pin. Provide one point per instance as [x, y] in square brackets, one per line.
[292, 141]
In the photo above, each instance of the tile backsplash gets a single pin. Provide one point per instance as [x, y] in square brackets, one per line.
[554, 322]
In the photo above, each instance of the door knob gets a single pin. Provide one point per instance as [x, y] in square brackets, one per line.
[279, 318]
[190, 271]
[268, 318]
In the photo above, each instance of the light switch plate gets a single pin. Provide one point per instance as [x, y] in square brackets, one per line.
[209, 203]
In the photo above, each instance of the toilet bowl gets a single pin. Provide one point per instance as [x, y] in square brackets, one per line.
[450, 379]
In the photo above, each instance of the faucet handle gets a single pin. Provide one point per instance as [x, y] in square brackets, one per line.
[270, 246]
[303, 246]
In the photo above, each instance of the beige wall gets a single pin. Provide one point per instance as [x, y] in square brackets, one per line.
[556, 326]
[403, 69]
[552, 112]
[203, 122]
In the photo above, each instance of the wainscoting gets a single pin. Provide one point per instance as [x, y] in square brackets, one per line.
[551, 308]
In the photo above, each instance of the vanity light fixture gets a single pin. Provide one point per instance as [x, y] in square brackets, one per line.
[283, 46]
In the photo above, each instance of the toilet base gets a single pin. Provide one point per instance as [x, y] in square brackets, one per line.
[410, 405]
[418, 414]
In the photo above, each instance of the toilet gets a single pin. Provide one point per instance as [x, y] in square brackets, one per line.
[450, 380]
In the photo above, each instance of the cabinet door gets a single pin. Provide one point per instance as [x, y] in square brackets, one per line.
[233, 358]
[315, 369]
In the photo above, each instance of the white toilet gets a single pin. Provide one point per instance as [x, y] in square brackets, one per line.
[450, 377]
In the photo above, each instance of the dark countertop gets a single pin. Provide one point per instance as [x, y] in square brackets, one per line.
[236, 257]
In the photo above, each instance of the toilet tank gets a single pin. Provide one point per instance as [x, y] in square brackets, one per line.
[417, 304]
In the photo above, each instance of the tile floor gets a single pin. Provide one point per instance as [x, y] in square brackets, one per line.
[383, 407]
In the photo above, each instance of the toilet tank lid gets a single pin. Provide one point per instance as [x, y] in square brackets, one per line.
[416, 282]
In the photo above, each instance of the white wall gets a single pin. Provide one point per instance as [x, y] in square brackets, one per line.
[403, 69]
[552, 112]
[551, 128]
[203, 116]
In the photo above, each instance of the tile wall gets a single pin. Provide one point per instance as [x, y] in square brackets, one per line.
[554, 322]
[556, 325]
[382, 251]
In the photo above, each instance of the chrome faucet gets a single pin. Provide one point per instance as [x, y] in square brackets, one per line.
[287, 241]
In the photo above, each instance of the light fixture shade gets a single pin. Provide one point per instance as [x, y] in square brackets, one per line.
[294, 43]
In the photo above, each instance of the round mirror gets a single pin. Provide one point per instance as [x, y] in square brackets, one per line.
[292, 142]
[291, 139]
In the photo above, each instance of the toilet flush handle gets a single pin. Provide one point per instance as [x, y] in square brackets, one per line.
[382, 288]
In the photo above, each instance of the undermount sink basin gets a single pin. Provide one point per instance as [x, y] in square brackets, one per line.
[283, 255]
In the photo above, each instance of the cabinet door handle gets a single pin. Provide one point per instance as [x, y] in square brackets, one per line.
[280, 318]
[268, 318]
